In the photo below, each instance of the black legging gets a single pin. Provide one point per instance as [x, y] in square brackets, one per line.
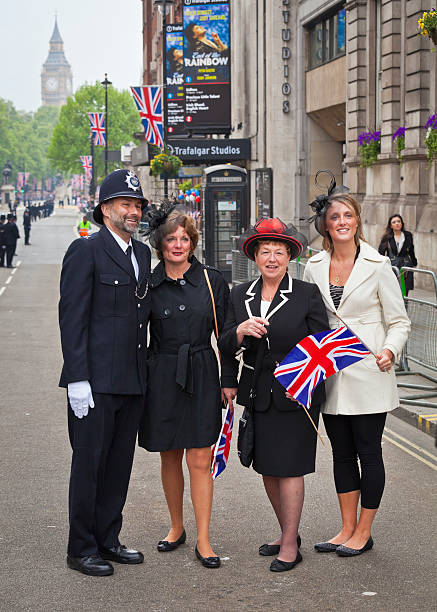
[353, 436]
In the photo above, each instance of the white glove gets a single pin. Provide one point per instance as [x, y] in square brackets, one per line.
[80, 396]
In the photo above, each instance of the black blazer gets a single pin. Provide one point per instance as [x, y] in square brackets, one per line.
[103, 323]
[296, 311]
[407, 248]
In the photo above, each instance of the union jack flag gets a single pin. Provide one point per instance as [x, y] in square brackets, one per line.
[317, 357]
[149, 103]
[97, 125]
[87, 163]
[220, 451]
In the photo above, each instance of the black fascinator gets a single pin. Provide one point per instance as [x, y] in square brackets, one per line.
[155, 218]
[321, 203]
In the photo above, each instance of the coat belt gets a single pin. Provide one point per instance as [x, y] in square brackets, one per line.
[184, 365]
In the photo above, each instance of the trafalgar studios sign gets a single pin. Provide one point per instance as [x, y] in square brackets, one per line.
[286, 55]
[217, 150]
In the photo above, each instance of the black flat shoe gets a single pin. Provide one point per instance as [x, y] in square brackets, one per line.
[326, 547]
[285, 566]
[122, 554]
[91, 565]
[209, 562]
[269, 550]
[344, 551]
[166, 546]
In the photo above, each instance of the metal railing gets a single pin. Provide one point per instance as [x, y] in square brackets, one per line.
[421, 346]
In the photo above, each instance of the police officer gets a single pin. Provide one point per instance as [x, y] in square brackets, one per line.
[11, 236]
[103, 314]
[27, 225]
[84, 227]
[2, 240]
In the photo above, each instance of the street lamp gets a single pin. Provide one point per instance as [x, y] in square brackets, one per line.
[105, 84]
[92, 185]
[164, 8]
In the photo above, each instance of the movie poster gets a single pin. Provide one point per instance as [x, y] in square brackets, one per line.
[207, 65]
[174, 44]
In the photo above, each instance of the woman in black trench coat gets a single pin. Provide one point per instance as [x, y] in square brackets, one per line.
[277, 311]
[183, 403]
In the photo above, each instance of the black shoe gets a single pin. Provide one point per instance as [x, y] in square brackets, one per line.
[210, 562]
[285, 566]
[269, 550]
[166, 546]
[326, 547]
[121, 554]
[91, 565]
[344, 551]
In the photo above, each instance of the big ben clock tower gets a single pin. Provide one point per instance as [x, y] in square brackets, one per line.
[56, 75]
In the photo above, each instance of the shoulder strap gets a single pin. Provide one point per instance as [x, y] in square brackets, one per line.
[205, 271]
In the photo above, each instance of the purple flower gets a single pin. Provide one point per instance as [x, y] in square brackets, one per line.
[400, 133]
[431, 123]
[366, 138]
[375, 136]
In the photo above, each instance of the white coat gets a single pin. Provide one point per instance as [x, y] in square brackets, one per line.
[371, 298]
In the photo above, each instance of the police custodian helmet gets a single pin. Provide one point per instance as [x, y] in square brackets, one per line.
[118, 183]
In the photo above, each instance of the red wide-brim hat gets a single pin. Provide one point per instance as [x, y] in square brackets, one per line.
[272, 229]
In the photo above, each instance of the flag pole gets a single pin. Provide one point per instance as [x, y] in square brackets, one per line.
[312, 422]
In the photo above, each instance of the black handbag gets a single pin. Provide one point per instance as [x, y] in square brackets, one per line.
[246, 427]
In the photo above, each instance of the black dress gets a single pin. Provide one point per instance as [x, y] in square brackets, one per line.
[405, 257]
[285, 440]
[183, 405]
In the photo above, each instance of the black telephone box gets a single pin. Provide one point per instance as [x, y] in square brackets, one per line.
[226, 214]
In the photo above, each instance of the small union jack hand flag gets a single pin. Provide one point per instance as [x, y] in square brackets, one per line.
[97, 126]
[317, 357]
[220, 451]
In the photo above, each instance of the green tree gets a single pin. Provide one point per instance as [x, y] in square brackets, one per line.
[70, 137]
[24, 139]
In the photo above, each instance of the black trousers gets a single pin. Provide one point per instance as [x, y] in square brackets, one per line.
[2, 255]
[103, 446]
[352, 437]
[10, 250]
[26, 234]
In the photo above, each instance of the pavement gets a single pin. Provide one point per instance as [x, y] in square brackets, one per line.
[397, 575]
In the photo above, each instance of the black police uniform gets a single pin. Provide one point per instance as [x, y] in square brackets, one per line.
[11, 236]
[103, 314]
[2, 241]
[26, 224]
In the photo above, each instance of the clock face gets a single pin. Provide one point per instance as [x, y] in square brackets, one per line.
[52, 84]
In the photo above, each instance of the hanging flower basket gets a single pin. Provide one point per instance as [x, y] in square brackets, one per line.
[428, 25]
[163, 162]
[431, 138]
[399, 139]
[369, 146]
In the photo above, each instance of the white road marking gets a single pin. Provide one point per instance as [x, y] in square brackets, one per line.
[407, 450]
[18, 264]
[14, 270]
[419, 448]
[8, 280]
[2, 290]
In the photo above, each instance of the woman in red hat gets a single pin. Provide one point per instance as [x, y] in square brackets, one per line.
[266, 319]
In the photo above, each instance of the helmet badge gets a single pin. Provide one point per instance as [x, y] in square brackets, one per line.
[132, 181]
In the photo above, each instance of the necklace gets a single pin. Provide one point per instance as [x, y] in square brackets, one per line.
[267, 298]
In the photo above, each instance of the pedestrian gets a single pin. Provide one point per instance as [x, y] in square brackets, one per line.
[2, 240]
[27, 225]
[183, 413]
[84, 227]
[11, 236]
[397, 243]
[357, 284]
[266, 319]
[103, 313]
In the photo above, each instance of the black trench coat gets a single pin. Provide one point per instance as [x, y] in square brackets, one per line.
[183, 405]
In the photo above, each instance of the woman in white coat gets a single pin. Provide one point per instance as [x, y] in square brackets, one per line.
[358, 284]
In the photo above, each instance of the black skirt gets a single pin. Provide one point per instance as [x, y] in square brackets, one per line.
[285, 442]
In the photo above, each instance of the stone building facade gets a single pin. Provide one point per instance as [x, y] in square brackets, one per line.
[56, 75]
[308, 77]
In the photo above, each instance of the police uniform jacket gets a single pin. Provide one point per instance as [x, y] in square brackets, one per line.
[102, 317]
[296, 311]
[11, 234]
[373, 308]
[2, 234]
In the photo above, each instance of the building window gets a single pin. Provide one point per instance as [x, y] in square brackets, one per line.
[327, 38]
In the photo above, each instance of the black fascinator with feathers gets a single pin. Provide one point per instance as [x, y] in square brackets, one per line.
[321, 203]
[156, 217]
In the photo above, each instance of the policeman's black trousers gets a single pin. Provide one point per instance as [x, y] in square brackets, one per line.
[10, 250]
[26, 235]
[353, 437]
[103, 446]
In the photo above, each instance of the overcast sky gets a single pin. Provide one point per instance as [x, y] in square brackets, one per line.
[99, 36]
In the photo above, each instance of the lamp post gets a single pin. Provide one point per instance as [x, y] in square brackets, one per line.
[92, 186]
[163, 6]
[105, 84]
